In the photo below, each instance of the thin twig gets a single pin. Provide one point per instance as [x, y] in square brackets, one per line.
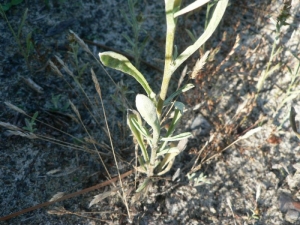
[72, 195]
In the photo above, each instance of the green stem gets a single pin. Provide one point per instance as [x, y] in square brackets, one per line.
[171, 6]
[153, 152]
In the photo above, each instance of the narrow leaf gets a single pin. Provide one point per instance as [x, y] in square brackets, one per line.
[213, 23]
[141, 128]
[22, 23]
[121, 63]
[169, 150]
[138, 136]
[178, 92]
[178, 137]
[191, 7]
[147, 110]
[143, 185]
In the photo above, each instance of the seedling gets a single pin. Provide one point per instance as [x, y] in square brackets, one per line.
[30, 124]
[28, 48]
[79, 66]
[197, 181]
[57, 106]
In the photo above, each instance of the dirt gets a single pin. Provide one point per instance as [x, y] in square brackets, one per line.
[245, 180]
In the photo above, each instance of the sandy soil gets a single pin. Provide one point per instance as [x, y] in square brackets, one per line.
[253, 181]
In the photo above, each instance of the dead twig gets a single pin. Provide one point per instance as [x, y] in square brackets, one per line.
[72, 195]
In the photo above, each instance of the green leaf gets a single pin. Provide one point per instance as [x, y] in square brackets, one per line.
[179, 107]
[213, 23]
[169, 150]
[22, 22]
[143, 130]
[16, 2]
[128, 40]
[191, 35]
[143, 185]
[6, 7]
[28, 125]
[138, 136]
[178, 137]
[178, 92]
[121, 63]
[34, 117]
[191, 7]
[147, 110]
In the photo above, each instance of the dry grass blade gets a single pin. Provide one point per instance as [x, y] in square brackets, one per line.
[58, 211]
[230, 206]
[10, 126]
[81, 42]
[97, 86]
[13, 107]
[75, 110]
[54, 68]
[102, 196]
[33, 85]
[22, 134]
[183, 74]
[57, 196]
[258, 192]
[199, 65]
[250, 133]
[68, 71]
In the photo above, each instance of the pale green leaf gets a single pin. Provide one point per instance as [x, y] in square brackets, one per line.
[178, 137]
[121, 63]
[134, 116]
[213, 24]
[143, 185]
[169, 150]
[147, 109]
[196, 4]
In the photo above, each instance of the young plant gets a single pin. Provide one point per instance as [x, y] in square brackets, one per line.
[134, 21]
[57, 105]
[27, 48]
[30, 124]
[150, 106]
[80, 67]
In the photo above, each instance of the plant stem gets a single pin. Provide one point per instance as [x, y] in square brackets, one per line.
[170, 6]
